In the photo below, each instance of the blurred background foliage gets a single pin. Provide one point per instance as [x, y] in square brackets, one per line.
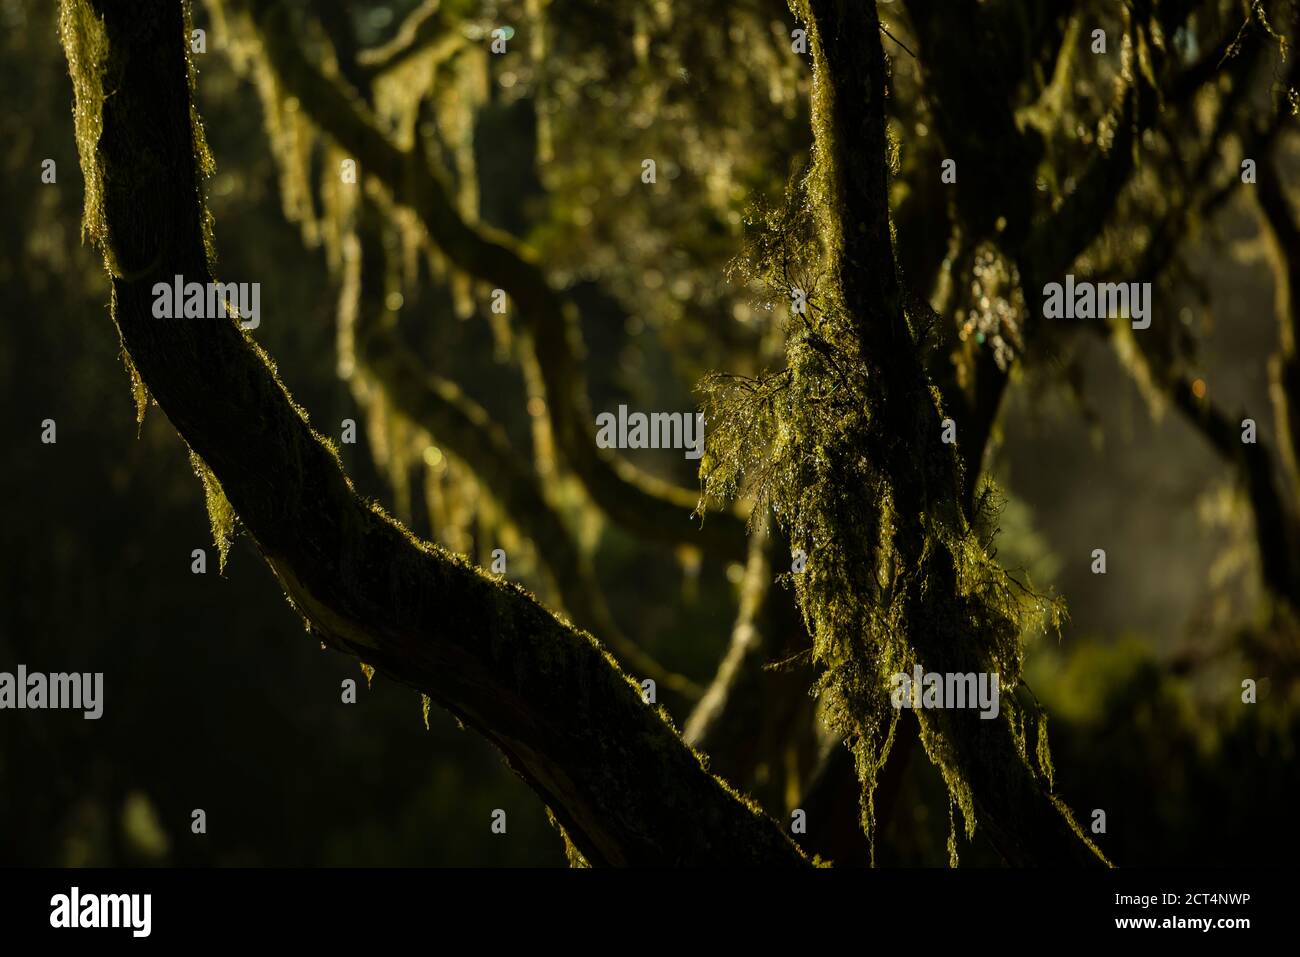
[214, 697]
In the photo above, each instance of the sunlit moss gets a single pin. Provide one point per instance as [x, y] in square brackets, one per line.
[221, 516]
[86, 45]
[886, 587]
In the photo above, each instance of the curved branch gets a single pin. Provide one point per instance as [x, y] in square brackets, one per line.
[1276, 532]
[467, 429]
[425, 29]
[548, 696]
[653, 508]
[1056, 241]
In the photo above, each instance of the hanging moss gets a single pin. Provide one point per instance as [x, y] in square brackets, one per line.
[843, 447]
[86, 46]
[221, 516]
[139, 392]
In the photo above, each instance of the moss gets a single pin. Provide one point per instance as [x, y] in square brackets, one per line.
[86, 45]
[221, 516]
[139, 392]
[842, 445]
[1043, 753]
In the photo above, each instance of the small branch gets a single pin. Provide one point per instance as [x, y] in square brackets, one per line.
[426, 29]
[752, 714]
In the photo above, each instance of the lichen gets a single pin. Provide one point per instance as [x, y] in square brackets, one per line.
[86, 45]
[139, 391]
[221, 516]
[897, 574]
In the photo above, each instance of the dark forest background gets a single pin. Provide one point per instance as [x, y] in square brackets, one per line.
[216, 698]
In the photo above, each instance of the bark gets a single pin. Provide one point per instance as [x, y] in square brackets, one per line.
[970, 54]
[618, 778]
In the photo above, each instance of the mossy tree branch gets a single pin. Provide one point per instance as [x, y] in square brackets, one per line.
[912, 542]
[427, 27]
[1277, 532]
[619, 779]
[368, 334]
[653, 508]
[468, 430]
[1048, 246]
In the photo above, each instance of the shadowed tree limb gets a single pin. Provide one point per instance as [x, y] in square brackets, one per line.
[1054, 242]
[1283, 235]
[971, 68]
[653, 508]
[620, 781]
[1275, 526]
[754, 715]
[1277, 533]
[467, 430]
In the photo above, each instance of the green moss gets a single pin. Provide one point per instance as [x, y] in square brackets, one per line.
[86, 45]
[139, 392]
[220, 515]
[845, 453]
[1044, 753]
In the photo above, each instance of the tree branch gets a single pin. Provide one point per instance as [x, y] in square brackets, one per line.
[1283, 235]
[948, 626]
[567, 720]
[467, 429]
[750, 715]
[653, 508]
[427, 28]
